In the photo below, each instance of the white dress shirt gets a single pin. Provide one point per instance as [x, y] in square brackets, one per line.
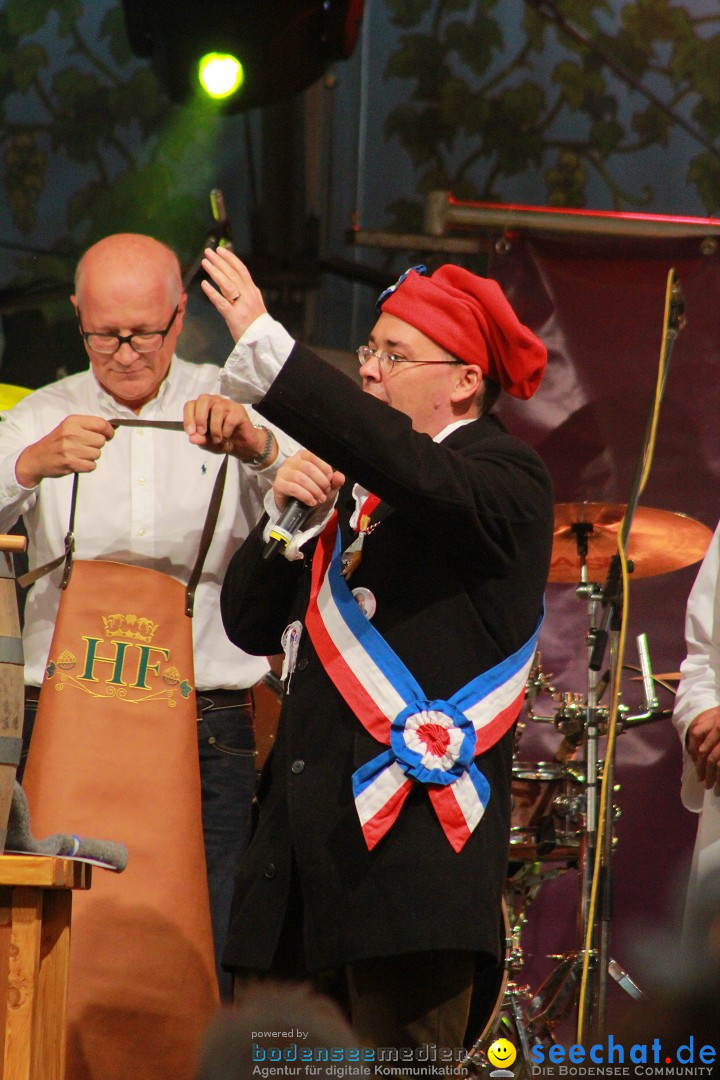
[699, 690]
[145, 504]
[699, 687]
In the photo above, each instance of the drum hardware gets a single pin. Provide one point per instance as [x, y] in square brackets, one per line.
[537, 683]
[594, 542]
[622, 978]
[550, 825]
[510, 1024]
[556, 997]
[544, 798]
[508, 1019]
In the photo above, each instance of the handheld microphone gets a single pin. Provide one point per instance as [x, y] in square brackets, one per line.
[290, 521]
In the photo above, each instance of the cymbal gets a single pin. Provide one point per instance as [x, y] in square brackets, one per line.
[659, 541]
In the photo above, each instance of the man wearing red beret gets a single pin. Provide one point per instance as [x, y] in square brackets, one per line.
[408, 607]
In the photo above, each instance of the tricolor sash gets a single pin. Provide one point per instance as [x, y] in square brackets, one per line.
[430, 742]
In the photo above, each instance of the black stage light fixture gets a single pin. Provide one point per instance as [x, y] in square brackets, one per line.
[281, 46]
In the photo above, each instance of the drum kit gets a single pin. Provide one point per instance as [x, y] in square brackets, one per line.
[554, 815]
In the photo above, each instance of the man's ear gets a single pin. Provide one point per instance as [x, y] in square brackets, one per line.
[180, 317]
[467, 384]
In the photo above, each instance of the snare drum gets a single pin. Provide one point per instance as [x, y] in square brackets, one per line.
[546, 812]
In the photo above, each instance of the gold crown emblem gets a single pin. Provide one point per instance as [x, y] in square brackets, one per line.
[132, 627]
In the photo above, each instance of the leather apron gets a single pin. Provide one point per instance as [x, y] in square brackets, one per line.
[114, 754]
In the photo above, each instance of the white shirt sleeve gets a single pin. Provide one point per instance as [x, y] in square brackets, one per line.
[699, 687]
[14, 437]
[256, 360]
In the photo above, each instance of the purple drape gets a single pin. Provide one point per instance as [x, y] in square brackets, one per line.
[599, 308]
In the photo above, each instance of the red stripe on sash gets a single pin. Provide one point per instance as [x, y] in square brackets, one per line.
[450, 815]
[499, 725]
[385, 818]
[346, 682]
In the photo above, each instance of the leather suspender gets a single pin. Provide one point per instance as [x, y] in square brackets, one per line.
[205, 539]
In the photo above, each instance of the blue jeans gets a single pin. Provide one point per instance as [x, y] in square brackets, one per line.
[226, 745]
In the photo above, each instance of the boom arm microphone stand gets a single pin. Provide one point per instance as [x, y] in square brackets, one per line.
[593, 999]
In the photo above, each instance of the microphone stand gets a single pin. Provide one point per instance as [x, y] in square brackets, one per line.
[611, 626]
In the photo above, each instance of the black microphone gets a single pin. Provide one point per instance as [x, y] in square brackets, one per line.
[290, 521]
[223, 233]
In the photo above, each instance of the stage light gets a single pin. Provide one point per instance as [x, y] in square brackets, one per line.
[220, 74]
[283, 45]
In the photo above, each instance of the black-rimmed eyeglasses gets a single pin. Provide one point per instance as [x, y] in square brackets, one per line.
[146, 341]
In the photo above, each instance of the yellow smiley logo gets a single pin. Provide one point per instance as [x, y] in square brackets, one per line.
[502, 1053]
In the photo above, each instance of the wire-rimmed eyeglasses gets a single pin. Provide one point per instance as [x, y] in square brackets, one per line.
[387, 361]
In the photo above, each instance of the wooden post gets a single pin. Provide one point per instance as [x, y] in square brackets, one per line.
[35, 910]
[12, 699]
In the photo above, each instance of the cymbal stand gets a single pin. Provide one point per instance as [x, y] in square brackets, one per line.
[560, 991]
[589, 591]
[558, 994]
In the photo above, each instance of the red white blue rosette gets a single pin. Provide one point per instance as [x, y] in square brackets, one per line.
[429, 742]
[433, 741]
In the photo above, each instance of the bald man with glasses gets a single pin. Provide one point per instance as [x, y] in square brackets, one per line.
[142, 498]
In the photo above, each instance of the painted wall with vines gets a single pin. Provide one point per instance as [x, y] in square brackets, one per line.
[575, 103]
[596, 101]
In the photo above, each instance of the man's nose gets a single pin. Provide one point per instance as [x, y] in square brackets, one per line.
[126, 354]
[370, 368]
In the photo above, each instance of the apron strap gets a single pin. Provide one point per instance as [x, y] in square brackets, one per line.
[40, 571]
[207, 535]
[205, 538]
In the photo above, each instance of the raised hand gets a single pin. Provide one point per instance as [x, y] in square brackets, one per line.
[237, 297]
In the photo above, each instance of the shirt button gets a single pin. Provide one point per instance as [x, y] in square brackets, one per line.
[302, 664]
[141, 481]
[297, 766]
[141, 532]
[270, 870]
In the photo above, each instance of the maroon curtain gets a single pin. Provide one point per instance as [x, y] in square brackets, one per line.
[599, 308]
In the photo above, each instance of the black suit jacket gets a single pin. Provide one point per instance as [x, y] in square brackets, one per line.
[458, 567]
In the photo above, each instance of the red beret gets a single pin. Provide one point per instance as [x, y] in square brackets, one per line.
[469, 317]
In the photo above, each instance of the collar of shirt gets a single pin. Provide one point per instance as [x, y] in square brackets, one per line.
[110, 407]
